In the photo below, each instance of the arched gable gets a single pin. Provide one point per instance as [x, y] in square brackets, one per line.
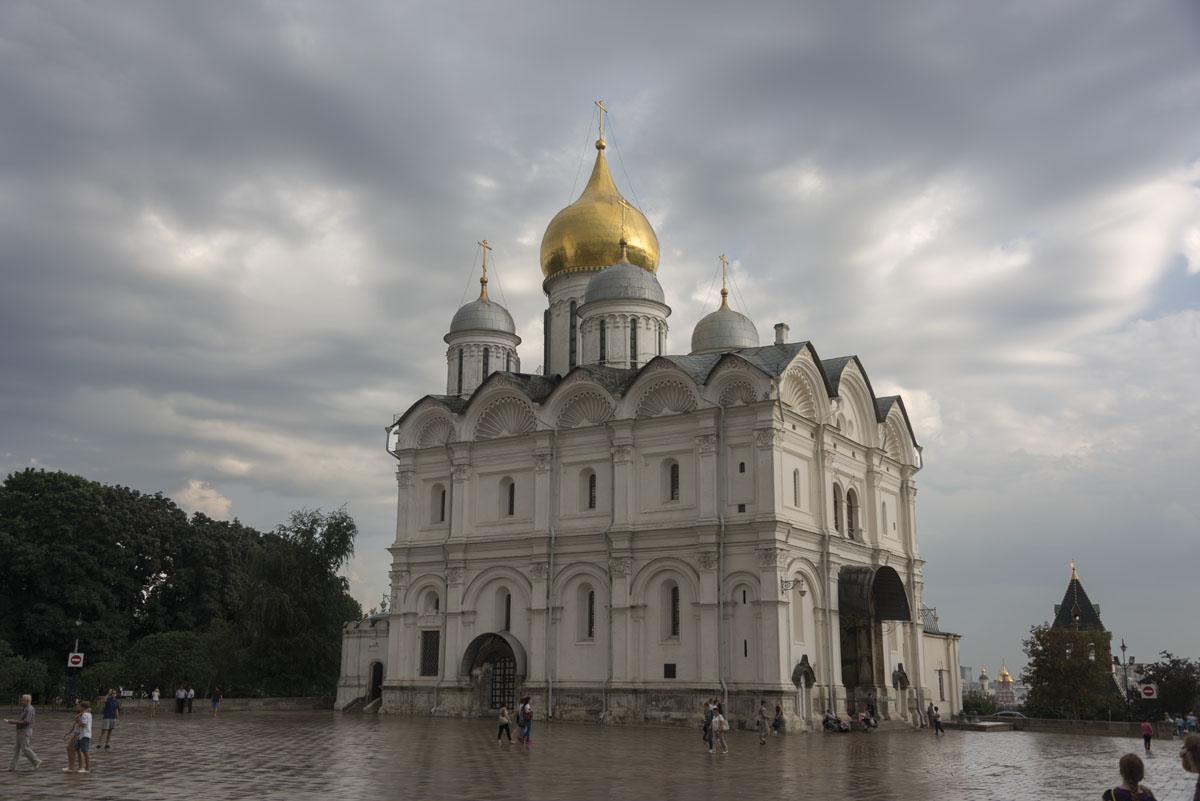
[804, 388]
[803, 568]
[896, 435]
[857, 407]
[497, 412]
[735, 381]
[665, 565]
[427, 423]
[521, 586]
[578, 402]
[738, 578]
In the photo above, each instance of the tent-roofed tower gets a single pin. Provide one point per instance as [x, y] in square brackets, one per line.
[1077, 610]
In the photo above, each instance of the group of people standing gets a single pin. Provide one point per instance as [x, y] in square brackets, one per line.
[524, 723]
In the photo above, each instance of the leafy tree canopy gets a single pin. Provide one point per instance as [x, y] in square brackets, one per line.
[1068, 674]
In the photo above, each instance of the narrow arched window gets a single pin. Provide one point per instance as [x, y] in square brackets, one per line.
[883, 521]
[674, 481]
[437, 504]
[661, 337]
[572, 338]
[603, 341]
[507, 362]
[507, 611]
[673, 609]
[741, 467]
[512, 499]
[852, 514]
[633, 342]
[796, 488]
[591, 491]
[591, 614]
[837, 507]
[487, 362]
[508, 497]
[460, 370]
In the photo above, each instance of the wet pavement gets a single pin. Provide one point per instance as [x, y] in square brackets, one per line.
[319, 755]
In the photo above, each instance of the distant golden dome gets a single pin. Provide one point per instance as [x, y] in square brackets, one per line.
[587, 234]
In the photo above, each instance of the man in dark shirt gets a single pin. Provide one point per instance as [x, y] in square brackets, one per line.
[108, 719]
[24, 724]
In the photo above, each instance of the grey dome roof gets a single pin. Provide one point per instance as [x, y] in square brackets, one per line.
[624, 281]
[483, 315]
[724, 330]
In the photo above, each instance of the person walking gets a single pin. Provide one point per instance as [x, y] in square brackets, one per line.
[719, 726]
[710, 708]
[505, 730]
[79, 740]
[154, 696]
[191, 696]
[936, 720]
[23, 724]
[777, 723]
[929, 717]
[216, 701]
[1147, 734]
[1189, 755]
[527, 721]
[1133, 770]
[180, 699]
[761, 722]
[108, 718]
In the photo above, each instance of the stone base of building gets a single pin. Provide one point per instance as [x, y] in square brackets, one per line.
[679, 706]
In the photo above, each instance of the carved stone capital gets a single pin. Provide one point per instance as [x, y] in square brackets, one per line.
[460, 472]
[706, 443]
[622, 454]
[708, 560]
[538, 570]
[405, 479]
[542, 461]
[768, 557]
[454, 575]
[620, 566]
[764, 437]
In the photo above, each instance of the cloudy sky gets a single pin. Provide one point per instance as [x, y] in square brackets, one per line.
[232, 235]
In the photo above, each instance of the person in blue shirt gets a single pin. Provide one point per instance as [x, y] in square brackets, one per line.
[108, 718]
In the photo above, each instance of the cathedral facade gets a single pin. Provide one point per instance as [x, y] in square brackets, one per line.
[634, 531]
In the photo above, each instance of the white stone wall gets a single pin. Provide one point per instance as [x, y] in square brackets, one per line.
[364, 643]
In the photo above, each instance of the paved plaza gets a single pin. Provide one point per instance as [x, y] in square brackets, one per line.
[317, 755]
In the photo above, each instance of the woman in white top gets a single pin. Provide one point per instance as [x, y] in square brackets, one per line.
[719, 726]
[154, 696]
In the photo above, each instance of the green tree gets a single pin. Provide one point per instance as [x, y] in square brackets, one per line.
[976, 703]
[1068, 674]
[1178, 681]
[167, 660]
[20, 675]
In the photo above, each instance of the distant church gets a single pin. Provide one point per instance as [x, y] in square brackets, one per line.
[634, 530]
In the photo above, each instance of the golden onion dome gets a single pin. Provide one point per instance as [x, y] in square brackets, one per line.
[587, 234]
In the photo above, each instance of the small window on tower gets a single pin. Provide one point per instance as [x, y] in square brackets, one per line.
[668, 670]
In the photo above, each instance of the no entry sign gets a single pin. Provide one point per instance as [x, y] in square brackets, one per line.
[75, 659]
[1149, 690]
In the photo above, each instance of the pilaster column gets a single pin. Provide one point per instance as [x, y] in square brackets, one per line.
[538, 574]
[460, 502]
[624, 474]
[776, 634]
[837, 690]
[766, 473]
[707, 478]
[543, 492]
[710, 625]
[620, 567]
[452, 628]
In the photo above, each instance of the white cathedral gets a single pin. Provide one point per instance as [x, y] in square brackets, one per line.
[633, 531]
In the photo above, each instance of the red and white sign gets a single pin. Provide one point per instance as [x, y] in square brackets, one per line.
[75, 659]
[1149, 691]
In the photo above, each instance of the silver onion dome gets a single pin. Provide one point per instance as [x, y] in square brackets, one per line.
[483, 315]
[624, 281]
[724, 330]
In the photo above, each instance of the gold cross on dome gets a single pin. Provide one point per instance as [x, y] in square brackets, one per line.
[724, 288]
[603, 110]
[483, 279]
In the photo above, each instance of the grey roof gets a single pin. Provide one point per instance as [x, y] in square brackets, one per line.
[833, 369]
[724, 330]
[624, 281]
[483, 315]
[929, 617]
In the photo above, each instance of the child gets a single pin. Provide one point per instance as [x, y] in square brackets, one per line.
[504, 730]
[79, 740]
[720, 725]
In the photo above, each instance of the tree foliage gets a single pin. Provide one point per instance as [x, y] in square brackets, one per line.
[976, 703]
[1068, 674]
[1178, 681]
[162, 598]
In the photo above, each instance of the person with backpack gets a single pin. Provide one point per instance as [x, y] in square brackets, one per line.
[525, 721]
[1133, 770]
[504, 730]
[710, 708]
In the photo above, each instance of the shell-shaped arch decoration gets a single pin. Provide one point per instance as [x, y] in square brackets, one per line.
[797, 392]
[892, 441]
[435, 431]
[668, 397]
[737, 392]
[584, 409]
[504, 418]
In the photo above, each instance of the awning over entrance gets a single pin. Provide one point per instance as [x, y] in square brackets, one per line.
[494, 643]
[872, 593]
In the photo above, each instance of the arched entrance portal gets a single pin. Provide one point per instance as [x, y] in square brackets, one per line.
[376, 687]
[867, 596]
[495, 665]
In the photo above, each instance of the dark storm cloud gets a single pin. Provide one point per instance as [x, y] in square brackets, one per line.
[233, 235]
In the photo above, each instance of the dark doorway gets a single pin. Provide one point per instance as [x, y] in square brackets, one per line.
[376, 682]
[866, 597]
[495, 664]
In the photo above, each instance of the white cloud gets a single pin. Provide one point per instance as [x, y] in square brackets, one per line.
[200, 496]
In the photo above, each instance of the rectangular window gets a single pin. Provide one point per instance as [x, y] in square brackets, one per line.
[675, 611]
[741, 467]
[603, 342]
[460, 368]
[633, 343]
[674, 482]
[591, 615]
[745, 649]
[430, 643]
[508, 612]
[508, 362]
[741, 507]
[591, 491]
[546, 342]
[487, 363]
[668, 670]
[941, 685]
